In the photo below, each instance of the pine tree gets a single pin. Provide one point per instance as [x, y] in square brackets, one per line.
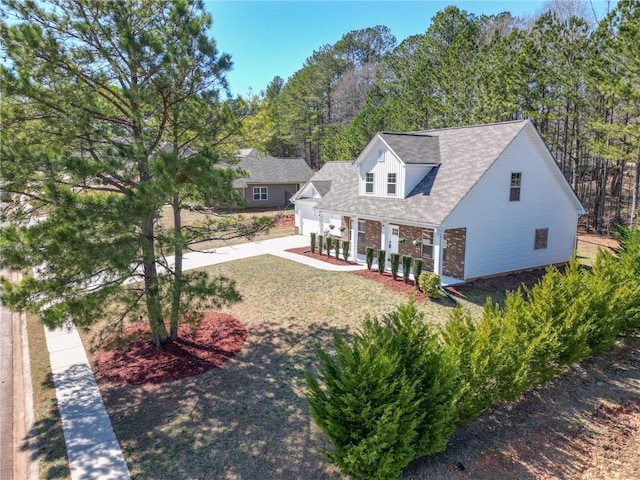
[121, 104]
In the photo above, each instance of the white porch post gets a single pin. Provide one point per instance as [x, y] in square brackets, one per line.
[320, 223]
[437, 251]
[354, 239]
[383, 237]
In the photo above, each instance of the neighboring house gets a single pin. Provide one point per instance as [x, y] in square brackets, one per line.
[272, 181]
[471, 201]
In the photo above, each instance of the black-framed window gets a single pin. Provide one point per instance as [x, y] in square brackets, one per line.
[260, 193]
[514, 190]
[427, 244]
[391, 183]
[542, 235]
[368, 182]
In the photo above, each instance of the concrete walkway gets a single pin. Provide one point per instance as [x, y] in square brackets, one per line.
[92, 447]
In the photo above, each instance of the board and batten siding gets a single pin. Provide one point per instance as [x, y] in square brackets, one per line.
[500, 233]
[381, 162]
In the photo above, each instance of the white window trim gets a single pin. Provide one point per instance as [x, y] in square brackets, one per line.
[367, 183]
[424, 244]
[394, 183]
[258, 191]
[517, 187]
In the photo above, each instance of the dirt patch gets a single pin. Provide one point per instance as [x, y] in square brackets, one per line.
[324, 258]
[285, 220]
[216, 339]
[584, 424]
[598, 239]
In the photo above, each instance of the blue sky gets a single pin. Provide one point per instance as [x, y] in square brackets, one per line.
[269, 38]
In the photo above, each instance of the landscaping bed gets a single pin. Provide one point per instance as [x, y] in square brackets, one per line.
[324, 257]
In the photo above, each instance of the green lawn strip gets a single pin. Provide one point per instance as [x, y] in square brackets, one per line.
[52, 453]
[249, 419]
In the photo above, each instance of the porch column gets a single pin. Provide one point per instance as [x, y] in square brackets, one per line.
[383, 237]
[437, 251]
[320, 223]
[354, 238]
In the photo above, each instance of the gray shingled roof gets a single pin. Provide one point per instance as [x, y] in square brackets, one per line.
[271, 170]
[465, 155]
[414, 148]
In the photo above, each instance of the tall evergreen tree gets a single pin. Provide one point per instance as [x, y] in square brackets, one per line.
[122, 102]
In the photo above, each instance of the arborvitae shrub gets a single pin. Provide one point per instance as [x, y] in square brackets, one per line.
[345, 250]
[312, 239]
[430, 284]
[337, 249]
[417, 270]
[369, 256]
[386, 398]
[320, 244]
[382, 261]
[406, 268]
[422, 358]
[329, 244]
[395, 264]
[367, 407]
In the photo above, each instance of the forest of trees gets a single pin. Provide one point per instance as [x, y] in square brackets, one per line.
[578, 80]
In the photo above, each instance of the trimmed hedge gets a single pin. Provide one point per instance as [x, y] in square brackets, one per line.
[312, 239]
[382, 261]
[395, 264]
[345, 250]
[406, 268]
[417, 270]
[369, 256]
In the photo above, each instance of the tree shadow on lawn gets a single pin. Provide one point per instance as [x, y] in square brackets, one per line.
[51, 451]
[247, 419]
[554, 431]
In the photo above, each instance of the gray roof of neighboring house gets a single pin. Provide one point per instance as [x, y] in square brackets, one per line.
[465, 155]
[414, 148]
[271, 170]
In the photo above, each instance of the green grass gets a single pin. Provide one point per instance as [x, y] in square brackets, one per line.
[52, 454]
[194, 218]
[249, 419]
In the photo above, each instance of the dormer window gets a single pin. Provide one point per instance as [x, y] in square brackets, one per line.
[368, 183]
[391, 184]
[514, 191]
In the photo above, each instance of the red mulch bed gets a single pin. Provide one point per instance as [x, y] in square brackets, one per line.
[387, 280]
[332, 259]
[216, 339]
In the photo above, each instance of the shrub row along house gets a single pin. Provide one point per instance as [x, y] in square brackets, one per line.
[471, 201]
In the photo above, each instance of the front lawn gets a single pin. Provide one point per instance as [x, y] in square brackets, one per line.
[249, 419]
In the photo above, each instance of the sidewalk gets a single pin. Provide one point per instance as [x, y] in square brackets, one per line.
[92, 447]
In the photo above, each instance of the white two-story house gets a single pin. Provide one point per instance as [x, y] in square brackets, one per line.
[471, 201]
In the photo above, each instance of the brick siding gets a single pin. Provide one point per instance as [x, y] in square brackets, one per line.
[453, 264]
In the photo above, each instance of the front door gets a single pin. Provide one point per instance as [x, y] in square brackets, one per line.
[392, 243]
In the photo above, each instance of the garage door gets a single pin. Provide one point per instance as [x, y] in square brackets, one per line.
[308, 221]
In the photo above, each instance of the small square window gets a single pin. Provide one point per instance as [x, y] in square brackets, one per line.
[514, 191]
[368, 183]
[542, 235]
[391, 184]
[260, 193]
[381, 155]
